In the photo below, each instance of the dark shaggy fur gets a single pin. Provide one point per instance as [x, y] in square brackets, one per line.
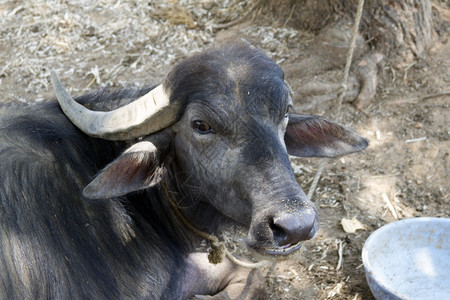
[56, 244]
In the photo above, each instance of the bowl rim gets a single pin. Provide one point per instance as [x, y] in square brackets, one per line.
[365, 251]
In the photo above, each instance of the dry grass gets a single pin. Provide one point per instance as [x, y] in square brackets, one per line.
[113, 43]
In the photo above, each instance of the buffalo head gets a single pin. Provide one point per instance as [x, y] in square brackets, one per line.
[225, 118]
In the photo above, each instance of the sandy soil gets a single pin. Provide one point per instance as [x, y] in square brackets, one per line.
[113, 43]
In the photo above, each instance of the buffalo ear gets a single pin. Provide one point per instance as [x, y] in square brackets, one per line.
[308, 136]
[139, 167]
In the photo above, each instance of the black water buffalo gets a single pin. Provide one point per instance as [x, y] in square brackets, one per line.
[86, 186]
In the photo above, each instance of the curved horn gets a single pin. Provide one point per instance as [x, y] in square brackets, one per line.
[148, 114]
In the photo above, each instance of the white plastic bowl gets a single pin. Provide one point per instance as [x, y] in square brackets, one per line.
[409, 259]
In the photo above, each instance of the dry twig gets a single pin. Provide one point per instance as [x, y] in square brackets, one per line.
[390, 206]
[340, 254]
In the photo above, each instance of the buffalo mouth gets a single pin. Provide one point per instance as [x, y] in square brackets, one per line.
[283, 250]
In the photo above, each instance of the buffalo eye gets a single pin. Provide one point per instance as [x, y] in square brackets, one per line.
[202, 127]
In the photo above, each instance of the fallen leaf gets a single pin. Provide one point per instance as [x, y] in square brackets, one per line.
[351, 225]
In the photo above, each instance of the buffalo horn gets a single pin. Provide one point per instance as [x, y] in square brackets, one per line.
[148, 114]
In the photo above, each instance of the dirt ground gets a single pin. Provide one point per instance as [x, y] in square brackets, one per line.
[404, 172]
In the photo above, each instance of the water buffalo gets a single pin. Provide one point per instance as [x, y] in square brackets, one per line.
[86, 186]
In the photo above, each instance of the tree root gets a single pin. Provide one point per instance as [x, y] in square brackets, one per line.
[239, 20]
[366, 73]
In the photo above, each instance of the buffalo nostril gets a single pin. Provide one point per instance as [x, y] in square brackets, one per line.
[279, 234]
[291, 228]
